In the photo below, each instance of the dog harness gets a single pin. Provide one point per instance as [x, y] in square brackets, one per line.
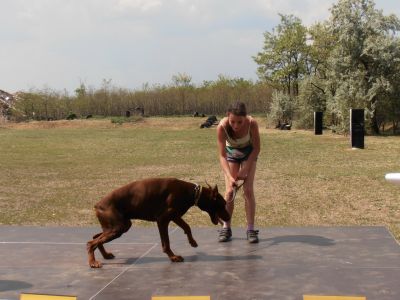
[197, 193]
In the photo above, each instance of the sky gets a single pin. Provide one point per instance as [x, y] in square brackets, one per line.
[59, 44]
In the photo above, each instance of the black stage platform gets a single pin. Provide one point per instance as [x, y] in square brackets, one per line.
[287, 264]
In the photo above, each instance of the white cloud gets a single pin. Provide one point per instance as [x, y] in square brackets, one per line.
[141, 5]
[58, 43]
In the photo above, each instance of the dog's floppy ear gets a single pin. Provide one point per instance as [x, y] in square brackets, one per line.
[208, 185]
[215, 192]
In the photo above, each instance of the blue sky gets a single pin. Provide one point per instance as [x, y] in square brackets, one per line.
[58, 44]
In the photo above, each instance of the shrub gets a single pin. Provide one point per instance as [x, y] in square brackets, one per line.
[71, 116]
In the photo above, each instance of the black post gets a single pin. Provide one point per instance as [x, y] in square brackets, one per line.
[318, 115]
[357, 128]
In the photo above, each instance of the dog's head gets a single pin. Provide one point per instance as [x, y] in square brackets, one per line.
[214, 204]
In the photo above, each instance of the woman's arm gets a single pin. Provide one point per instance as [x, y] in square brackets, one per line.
[221, 141]
[255, 137]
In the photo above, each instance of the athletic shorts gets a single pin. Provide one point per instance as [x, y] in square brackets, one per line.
[238, 155]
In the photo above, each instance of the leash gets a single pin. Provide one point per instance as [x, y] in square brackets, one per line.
[235, 190]
[198, 189]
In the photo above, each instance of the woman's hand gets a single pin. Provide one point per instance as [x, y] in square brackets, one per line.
[232, 182]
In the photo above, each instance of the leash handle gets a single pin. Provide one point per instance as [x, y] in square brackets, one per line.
[240, 185]
[235, 190]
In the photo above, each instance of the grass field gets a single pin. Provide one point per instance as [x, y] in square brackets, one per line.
[52, 173]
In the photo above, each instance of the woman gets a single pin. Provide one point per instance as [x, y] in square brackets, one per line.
[239, 145]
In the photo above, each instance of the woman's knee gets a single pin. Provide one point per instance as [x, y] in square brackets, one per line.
[248, 192]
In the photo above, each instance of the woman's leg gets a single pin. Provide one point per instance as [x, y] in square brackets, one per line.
[249, 198]
[234, 167]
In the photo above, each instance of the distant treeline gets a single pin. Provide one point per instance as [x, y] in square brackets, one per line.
[351, 60]
[181, 97]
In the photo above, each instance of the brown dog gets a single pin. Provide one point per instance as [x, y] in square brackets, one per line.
[160, 200]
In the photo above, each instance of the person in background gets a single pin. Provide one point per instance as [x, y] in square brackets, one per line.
[238, 148]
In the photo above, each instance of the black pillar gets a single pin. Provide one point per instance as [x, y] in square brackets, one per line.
[357, 128]
[318, 115]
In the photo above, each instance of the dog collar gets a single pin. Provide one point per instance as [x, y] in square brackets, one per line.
[197, 193]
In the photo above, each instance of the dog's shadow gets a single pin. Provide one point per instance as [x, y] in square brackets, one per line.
[312, 240]
[199, 257]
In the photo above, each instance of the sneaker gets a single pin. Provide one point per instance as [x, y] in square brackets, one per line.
[225, 235]
[252, 236]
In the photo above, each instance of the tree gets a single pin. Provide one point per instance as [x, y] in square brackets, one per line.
[182, 80]
[182, 83]
[283, 59]
[364, 59]
[315, 88]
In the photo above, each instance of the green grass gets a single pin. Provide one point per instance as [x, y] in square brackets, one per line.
[52, 173]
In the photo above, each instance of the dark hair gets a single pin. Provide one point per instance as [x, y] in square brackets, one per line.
[238, 109]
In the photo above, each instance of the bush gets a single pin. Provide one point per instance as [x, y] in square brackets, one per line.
[283, 108]
[71, 116]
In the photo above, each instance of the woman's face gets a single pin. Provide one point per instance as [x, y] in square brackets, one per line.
[236, 122]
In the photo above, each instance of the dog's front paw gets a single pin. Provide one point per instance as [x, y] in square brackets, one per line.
[95, 264]
[193, 243]
[176, 258]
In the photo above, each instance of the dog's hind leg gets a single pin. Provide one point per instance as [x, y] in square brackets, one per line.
[103, 251]
[109, 255]
[97, 235]
[90, 247]
[102, 238]
[98, 243]
[186, 228]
